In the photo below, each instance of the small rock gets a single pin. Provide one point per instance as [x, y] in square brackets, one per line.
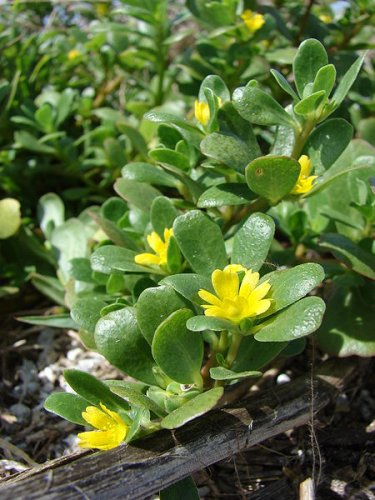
[22, 412]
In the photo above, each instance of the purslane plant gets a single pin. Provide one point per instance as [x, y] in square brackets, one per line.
[187, 297]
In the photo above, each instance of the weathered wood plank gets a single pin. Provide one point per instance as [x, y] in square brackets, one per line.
[148, 465]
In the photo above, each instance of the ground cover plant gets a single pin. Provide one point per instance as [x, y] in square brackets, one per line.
[242, 215]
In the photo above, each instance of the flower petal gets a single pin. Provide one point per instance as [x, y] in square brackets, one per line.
[147, 259]
[305, 163]
[155, 242]
[225, 284]
[263, 306]
[234, 268]
[260, 291]
[209, 297]
[96, 418]
[249, 283]
[102, 440]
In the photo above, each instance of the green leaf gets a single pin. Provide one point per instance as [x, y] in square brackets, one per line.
[298, 320]
[134, 397]
[54, 321]
[136, 138]
[227, 149]
[260, 108]
[10, 216]
[284, 84]
[254, 355]
[170, 157]
[178, 351]
[119, 340]
[188, 131]
[290, 285]
[231, 123]
[68, 406]
[184, 490]
[216, 85]
[226, 194]
[93, 390]
[252, 241]
[327, 142]
[69, 241]
[25, 140]
[139, 194]
[310, 57]
[221, 373]
[113, 259]
[192, 409]
[347, 81]
[117, 235]
[154, 306]
[162, 214]
[350, 254]
[81, 270]
[51, 213]
[45, 117]
[174, 259]
[325, 79]
[150, 174]
[348, 326]
[310, 104]
[201, 323]
[272, 177]
[188, 285]
[200, 241]
[50, 287]
[86, 313]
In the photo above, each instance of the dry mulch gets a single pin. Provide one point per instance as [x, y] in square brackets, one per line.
[339, 452]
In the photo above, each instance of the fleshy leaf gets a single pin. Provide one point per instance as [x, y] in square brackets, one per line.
[298, 320]
[119, 340]
[68, 406]
[201, 242]
[252, 241]
[154, 306]
[290, 285]
[272, 177]
[178, 351]
[310, 57]
[221, 373]
[193, 408]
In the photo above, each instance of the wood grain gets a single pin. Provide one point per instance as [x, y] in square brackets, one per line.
[148, 465]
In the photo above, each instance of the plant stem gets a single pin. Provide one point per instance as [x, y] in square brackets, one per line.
[301, 138]
[233, 349]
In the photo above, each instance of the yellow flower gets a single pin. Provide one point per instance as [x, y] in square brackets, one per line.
[111, 431]
[235, 301]
[101, 9]
[253, 20]
[202, 112]
[160, 247]
[326, 18]
[73, 54]
[305, 181]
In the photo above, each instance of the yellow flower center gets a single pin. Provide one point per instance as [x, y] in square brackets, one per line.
[253, 20]
[235, 300]
[305, 181]
[160, 247]
[111, 429]
[73, 54]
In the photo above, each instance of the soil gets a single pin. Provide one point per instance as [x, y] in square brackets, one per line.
[337, 451]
